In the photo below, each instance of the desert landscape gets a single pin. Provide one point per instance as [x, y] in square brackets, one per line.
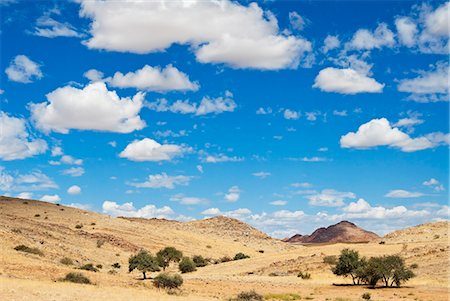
[271, 271]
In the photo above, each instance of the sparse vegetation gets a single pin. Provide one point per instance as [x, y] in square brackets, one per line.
[25, 249]
[144, 262]
[248, 296]
[16, 230]
[78, 226]
[304, 275]
[283, 297]
[225, 259]
[66, 261]
[116, 265]
[199, 261]
[331, 260]
[99, 266]
[240, 256]
[76, 278]
[37, 215]
[168, 281]
[167, 255]
[89, 267]
[100, 243]
[366, 296]
[414, 266]
[186, 265]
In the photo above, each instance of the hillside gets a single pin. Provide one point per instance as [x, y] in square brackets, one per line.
[424, 232]
[342, 232]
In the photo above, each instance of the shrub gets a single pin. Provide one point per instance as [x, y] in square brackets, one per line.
[66, 261]
[283, 297]
[100, 243]
[167, 281]
[304, 275]
[168, 254]
[37, 215]
[77, 278]
[414, 266]
[112, 272]
[240, 256]
[261, 251]
[208, 247]
[249, 296]
[116, 265]
[225, 259]
[331, 260]
[199, 261]
[366, 296]
[25, 249]
[78, 226]
[186, 265]
[16, 230]
[89, 267]
[99, 266]
[144, 262]
[92, 224]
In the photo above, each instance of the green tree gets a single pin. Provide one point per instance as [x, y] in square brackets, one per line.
[348, 264]
[144, 262]
[199, 261]
[168, 254]
[391, 270]
[186, 265]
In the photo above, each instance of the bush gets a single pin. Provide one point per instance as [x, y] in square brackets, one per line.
[23, 248]
[249, 296]
[77, 278]
[168, 254]
[331, 260]
[225, 259]
[283, 297]
[66, 261]
[100, 243]
[414, 266]
[116, 265]
[208, 247]
[366, 296]
[304, 275]
[99, 266]
[240, 256]
[144, 262]
[261, 251]
[79, 226]
[186, 265]
[199, 261]
[37, 215]
[89, 267]
[167, 281]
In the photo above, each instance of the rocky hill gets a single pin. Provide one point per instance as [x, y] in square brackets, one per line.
[342, 232]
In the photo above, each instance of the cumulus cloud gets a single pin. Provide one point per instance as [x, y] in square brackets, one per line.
[297, 21]
[435, 184]
[74, 189]
[50, 28]
[264, 111]
[407, 31]
[96, 109]
[219, 158]
[73, 171]
[364, 39]
[379, 132]
[149, 150]
[430, 86]
[162, 181]
[239, 213]
[206, 106]
[35, 180]
[157, 79]
[278, 203]
[240, 36]
[233, 195]
[128, 210]
[51, 198]
[93, 75]
[346, 81]
[15, 140]
[400, 193]
[292, 115]
[330, 198]
[188, 200]
[330, 43]
[23, 70]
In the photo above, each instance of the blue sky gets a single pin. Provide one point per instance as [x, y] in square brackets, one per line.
[287, 115]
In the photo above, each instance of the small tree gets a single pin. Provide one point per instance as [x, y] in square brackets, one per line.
[348, 264]
[391, 270]
[199, 261]
[240, 256]
[168, 254]
[144, 262]
[186, 265]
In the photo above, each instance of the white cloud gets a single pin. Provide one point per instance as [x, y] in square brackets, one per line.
[74, 189]
[330, 198]
[264, 111]
[297, 21]
[199, 168]
[128, 209]
[429, 86]
[163, 181]
[400, 193]
[35, 180]
[157, 79]
[408, 122]
[96, 109]
[261, 174]
[278, 203]
[80, 206]
[51, 198]
[219, 158]
[286, 214]
[330, 43]
[435, 184]
[149, 150]
[346, 81]
[25, 195]
[93, 75]
[50, 28]
[342, 113]
[237, 35]
[74, 171]
[57, 151]
[435, 34]
[206, 106]
[364, 39]
[309, 159]
[289, 114]
[301, 185]
[379, 132]
[233, 195]
[187, 200]
[407, 31]
[15, 140]
[23, 70]
[239, 213]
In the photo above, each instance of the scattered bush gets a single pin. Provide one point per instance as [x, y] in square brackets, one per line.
[331, 260]
[144, 262]
[382, 242]
[25, 203]
[112, 272]
[414, 266]
[167, 281]
[100, 243]
[199, 261]
[23, 248]
[99, 266]
[89, 267]
[78, 226]
[240, 256]
[225, 259]
[167, 255]
[436, 236]
[37, 215]
[92, 224]
[208, 247]
[76, 278]
[248, 296]
[186, 265]
[366, 296]
[16, 230]
[261, 251]
[283, 297]
[116, 265]
[304, 275]
[66, 261]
